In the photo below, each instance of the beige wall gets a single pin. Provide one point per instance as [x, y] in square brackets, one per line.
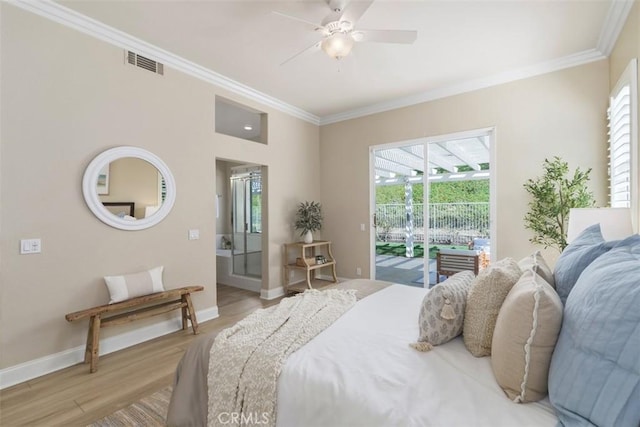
[223, 225]
[66, 97]
[557, 114]
[627, 47]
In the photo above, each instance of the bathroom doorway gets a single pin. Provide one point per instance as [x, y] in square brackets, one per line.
[240, 224]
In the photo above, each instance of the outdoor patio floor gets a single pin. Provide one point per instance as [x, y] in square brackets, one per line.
[407, 271]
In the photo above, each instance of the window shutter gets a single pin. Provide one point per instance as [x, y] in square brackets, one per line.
[619, 115]
[622, 116]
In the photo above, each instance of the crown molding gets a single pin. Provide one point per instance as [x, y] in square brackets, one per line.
[72, 19]
[469, 86]
[613, 24]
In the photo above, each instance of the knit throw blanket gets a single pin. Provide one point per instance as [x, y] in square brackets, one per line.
[246, 359]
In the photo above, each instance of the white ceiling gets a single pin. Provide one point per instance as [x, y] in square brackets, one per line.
[460, 45]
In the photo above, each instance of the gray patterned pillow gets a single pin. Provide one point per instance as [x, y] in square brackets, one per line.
[442, 313]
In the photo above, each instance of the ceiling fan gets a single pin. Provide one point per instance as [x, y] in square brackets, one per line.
[339, 33]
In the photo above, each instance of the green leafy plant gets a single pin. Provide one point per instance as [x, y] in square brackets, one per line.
[308, 217]
[553, 195]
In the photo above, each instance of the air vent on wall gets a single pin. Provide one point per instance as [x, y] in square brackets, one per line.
[146, 63]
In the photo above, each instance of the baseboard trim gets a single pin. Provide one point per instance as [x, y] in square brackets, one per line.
[242, 282]
[45, 365]
[270, 294]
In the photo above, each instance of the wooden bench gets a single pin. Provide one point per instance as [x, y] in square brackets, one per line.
[131, 310]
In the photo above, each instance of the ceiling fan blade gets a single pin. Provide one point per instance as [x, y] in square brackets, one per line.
[386, 36]
[354, 10]
[295, 18]
[311, 49]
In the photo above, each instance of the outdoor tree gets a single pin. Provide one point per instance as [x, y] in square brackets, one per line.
[553, 195]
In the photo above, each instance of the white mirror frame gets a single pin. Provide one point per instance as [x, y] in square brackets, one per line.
[90, 192]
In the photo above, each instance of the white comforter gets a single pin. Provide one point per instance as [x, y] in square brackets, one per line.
[361, 372]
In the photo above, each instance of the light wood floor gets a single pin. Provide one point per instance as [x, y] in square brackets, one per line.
[73, 397]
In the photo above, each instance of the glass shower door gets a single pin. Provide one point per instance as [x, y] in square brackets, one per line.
[246, 191]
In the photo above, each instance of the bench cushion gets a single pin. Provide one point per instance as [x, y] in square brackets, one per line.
[134, 285]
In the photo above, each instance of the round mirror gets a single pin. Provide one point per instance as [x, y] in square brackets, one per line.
[129, 188]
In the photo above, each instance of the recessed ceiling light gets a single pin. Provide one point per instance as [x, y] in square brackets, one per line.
[247, 127]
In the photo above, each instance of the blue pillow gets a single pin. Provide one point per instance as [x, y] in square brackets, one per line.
[594, 378]
[588, 246]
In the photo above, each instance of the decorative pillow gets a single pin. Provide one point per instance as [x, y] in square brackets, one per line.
[588, 246]
[594, 377]
[484, 300]
[442, 313]
[134, 285]
[526, 332]
[537, 263]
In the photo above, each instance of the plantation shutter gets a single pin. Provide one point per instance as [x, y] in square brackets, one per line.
[619, 115]
[623, 141]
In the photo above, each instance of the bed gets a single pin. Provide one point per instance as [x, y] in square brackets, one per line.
[360, 371]
[571, 331]
[121, 209]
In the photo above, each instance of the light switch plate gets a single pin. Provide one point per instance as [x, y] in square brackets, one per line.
[194, 234]
[30, 246]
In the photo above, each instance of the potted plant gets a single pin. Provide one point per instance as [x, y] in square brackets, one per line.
[553, 195]
[308, 219]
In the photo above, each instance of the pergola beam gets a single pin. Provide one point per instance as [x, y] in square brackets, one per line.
[442, 162]
[403, 158]
[389, 166]
[408, 160]
[457, 151]
[441, 177]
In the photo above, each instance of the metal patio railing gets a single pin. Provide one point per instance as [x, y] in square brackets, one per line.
[449, 223]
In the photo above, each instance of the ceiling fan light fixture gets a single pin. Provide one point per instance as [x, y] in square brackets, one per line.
[337, 45]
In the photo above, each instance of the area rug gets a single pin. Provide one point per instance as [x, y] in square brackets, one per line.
[150, 411]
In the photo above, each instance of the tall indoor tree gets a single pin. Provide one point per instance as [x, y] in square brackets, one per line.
[552, 196]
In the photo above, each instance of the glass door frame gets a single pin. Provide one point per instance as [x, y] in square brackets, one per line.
[244, 177]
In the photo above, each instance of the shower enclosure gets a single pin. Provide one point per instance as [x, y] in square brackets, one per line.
[246, 221]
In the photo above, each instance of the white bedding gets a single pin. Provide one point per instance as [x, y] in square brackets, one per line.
[361, 372]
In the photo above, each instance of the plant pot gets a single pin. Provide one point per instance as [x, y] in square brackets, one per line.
[308, 237]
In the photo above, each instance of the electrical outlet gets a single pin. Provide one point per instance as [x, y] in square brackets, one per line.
[358, 271]
[194, 234]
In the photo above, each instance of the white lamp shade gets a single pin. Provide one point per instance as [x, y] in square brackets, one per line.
[337, 45]
[615, 223]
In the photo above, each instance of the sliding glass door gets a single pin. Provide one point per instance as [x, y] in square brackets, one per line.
[429, 195]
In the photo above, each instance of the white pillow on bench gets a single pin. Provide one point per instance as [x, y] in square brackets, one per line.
[134, 285]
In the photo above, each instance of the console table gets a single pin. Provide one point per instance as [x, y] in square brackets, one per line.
[310, 258]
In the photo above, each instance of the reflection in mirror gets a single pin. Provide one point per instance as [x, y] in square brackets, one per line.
[129, 188]
[133, 181]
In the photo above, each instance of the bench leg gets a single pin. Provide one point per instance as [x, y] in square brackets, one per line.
[192, 313]
[92, 349]
[185, 314]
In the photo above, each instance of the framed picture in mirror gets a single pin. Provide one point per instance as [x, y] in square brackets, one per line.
[103, 181]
